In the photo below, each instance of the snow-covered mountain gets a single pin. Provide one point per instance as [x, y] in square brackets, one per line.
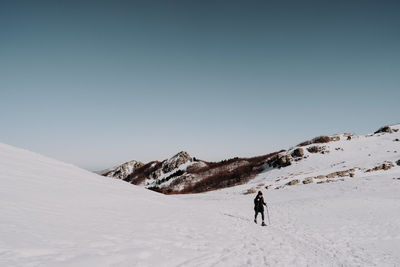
[336, 158]
[184, 174]
[322, 159]
[124, 170]
[55, 214]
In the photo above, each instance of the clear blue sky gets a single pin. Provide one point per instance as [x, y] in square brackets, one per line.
[97, 83]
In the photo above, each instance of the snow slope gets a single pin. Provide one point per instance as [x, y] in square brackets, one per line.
[359, 154]
[55, 214]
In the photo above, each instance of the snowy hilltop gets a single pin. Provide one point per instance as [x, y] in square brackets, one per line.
[336, 158]
[124, 170]
[184, 174]
[334, 205]
[323, 159]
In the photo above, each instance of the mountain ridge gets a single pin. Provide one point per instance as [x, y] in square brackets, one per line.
[185, 174]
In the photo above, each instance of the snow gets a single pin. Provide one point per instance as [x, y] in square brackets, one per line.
[182, 167]
[124, 170]
[361, 152]
[56, 214]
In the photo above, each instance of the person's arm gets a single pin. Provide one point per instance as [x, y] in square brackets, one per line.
[264, 202]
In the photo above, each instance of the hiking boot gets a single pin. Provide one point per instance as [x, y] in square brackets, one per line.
[263, 224]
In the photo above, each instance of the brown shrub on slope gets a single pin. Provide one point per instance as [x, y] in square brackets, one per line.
[201, 176]
[316, 140]
[217, 175]
[140, 174]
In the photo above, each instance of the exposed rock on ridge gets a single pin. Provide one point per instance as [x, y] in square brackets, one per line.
[124, 170]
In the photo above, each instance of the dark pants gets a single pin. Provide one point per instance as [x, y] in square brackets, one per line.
[256, 213]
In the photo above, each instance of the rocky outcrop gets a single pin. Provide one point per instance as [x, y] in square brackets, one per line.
[280, 161]
[176, 161]
[384, 129]
[156, 173]
[168, 169]
[293, 182]
[335, 138]
[285, 160]
[398, 162]
[317, 149]
[308, 180]
[298, 153]
[384, 166]
[338, 174]
[344, 173]
[124, 170]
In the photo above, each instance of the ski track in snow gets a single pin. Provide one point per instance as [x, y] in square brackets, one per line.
[280, 244]
[286, 243]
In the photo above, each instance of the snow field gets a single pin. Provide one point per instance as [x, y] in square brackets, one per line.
[55, 214]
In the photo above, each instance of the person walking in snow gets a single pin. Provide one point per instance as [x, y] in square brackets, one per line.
[259, 207]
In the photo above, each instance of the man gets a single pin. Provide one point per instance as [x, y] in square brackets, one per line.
[259, 207]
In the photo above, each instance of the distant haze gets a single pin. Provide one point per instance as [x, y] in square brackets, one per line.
[97, 83]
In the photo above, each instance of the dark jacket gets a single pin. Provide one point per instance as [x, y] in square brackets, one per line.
[259, 204]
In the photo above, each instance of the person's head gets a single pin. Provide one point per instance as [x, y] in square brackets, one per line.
[259, 194]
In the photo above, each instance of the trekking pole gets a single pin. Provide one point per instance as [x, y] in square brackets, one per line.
[269, 221]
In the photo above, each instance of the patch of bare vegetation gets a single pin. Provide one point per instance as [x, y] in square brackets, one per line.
[318, 149]
[341, 173]
[250, 191]
[344, 173]
[384, 166]
[319, 140]
[216, 175]
[145, 171]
